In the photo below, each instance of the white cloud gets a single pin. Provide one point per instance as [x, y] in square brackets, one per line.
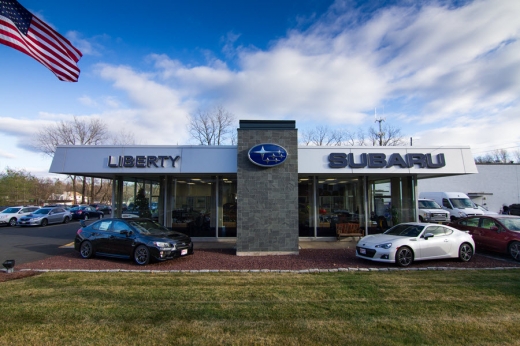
[446, 75]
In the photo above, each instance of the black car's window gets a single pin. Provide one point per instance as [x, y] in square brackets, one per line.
[148, 227]
[101, 225]
[118, 226]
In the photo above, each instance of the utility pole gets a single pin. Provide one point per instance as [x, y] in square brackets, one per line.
[380, 134]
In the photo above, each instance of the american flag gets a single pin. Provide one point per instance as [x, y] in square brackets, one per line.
[23, 31]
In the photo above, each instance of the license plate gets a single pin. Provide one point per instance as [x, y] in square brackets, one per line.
[363, 251]
[184, 252]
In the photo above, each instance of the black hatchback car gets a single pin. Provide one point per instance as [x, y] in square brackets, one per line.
[139, 239]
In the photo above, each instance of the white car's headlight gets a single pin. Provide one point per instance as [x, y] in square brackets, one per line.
[385, 245]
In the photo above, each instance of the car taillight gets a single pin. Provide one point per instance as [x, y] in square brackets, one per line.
[79, 231]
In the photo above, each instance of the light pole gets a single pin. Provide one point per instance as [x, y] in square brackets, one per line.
[380, 134]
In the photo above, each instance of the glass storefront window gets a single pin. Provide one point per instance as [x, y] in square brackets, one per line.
[339, 201]
[227, 204]
[306, 207]
[391, 201]
[194, 207]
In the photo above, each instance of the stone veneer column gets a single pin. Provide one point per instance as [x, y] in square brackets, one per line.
[267, 206]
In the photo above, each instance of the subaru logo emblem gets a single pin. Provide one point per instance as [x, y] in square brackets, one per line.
[267, 155]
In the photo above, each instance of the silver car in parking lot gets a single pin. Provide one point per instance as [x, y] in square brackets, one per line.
[45, 216]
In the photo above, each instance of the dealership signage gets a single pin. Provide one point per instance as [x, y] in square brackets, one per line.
[267, 155]
[380, 160]
[141, 161]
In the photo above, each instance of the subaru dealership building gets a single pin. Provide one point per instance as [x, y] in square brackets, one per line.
[266, 192]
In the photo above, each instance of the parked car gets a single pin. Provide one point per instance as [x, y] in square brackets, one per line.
[485, 210]
[45, 216]
[499, 233]
[431, 211]
[85, 212]
[102, 207]
[414, 241]
[139, 239]
[10, 216]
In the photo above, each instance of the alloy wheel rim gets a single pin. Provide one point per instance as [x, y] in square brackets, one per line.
[405, 257]
[515, 251]
[141, 255]
[466, 252]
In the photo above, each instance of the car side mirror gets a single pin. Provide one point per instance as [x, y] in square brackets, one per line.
[428, 235]
[495, 228]
[126, 232]
[82, 223]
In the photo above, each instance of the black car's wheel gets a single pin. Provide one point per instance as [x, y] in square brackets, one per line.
[142, 255]
[404, 256]
[66, 219]
[12, 222]
[465, 252]
[45, 222]
[514, 250]
[86, 250]
[100, 216]
[86, 217]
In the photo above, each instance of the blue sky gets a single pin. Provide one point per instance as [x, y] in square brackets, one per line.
[444, 72]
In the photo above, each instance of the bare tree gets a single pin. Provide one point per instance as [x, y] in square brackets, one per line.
[323, 136]
[387, 136]
[74, 132]
[213, 127]
[516, 155]
[500, 155]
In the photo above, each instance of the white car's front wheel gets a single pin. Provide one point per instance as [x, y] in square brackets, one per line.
[404, 256]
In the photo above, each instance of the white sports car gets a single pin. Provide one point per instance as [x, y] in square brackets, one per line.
[408, 242]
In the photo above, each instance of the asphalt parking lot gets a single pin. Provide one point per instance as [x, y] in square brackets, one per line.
[27, 244]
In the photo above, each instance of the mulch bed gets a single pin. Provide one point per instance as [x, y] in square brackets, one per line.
[226, 259]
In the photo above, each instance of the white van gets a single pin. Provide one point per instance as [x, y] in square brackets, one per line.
[457, 203]
[431, 211]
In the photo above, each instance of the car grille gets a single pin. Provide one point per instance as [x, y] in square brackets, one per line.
[369, 252]
[182, 244]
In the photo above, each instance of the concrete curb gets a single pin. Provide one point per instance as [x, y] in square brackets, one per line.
[300, 271]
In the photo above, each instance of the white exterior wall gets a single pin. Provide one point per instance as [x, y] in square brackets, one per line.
[493, 185]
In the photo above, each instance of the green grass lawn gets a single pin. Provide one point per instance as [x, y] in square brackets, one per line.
[476, 307]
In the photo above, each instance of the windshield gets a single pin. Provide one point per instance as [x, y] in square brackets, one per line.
[429, 205]
[42, 211]
[11, 210]
[405, 230]
[512, 224]
[149, 227]
[462, 203]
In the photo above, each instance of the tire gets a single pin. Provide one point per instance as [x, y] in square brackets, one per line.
[465, 252]
[142, 255]
[45, 222]
[66, 219]
[514, 250]
[86, 217]
[100, 216]
[86, 250]
[12, 222]
[421, 218]
[404, 256]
